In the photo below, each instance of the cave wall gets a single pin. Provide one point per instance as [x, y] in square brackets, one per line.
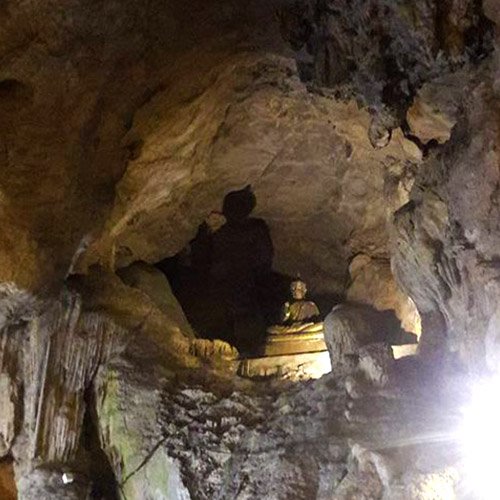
[72, 75]
[318, 181]
[160, 122]
[139, 130]
[121, 130]
[50, 354]
[446, 238]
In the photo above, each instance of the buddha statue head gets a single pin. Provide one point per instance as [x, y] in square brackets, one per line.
[298, 289]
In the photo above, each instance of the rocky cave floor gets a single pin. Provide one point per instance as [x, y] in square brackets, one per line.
[331, 438]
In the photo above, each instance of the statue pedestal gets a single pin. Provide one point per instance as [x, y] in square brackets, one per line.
[404, 350]
[307, 365]
[304, 365]
[294, 343]
[291, 355]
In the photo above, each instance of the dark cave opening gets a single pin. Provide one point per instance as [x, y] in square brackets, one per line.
[8, 490]
[104, 484]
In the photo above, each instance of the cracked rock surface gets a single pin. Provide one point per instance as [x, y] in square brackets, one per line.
[201, 438]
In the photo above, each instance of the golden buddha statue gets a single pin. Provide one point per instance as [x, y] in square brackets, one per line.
[300, 329]
[296, 316]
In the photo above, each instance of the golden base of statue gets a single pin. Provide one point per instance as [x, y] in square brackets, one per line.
[297, 333]
[294, 343]
[295, 328]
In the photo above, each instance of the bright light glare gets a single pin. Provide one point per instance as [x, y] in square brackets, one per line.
[481, 439]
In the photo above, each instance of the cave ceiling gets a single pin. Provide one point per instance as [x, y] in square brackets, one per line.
[123, 125]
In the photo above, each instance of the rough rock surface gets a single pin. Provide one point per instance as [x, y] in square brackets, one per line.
[200, 434]
[252, 118]
[72, 75]
[372, 283]
[318, 182]
[165, 120]
[46, 484]
[48, 361]
[435, 109]
[162, 138]
[122, 126]
[213, 442]
[199, 439]
[384, 51]
[445, 238]
[154, 284]
[376, 363]
[349, 327]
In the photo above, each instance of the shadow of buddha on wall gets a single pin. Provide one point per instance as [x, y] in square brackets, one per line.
[241, 259]
[222, 279]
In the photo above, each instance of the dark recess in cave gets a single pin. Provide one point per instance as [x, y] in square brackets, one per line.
[224, 279]
[104, 484]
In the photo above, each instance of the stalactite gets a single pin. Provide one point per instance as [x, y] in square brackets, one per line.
[67, 348]
[59, 351]
[17, 308]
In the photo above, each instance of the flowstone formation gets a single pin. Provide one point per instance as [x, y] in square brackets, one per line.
[50, 354]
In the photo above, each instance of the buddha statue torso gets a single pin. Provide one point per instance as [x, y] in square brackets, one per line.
[299, 316]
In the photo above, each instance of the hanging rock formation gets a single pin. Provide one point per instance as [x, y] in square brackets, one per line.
[444, 238]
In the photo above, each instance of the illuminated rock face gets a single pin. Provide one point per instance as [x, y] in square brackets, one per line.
[72, 77]
[351, 327]
[160, 122]
[445, 239]
[318, 182]
[373, 283]
[164, 121]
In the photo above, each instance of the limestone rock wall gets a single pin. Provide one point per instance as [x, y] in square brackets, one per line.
[166, 120]
[445, 238]
[200, 437]
[50, 352]
[160, 121]
[213, 443]
[138, 126]
[372, 283]
[318, 182]
[383, 51]
[123, 125]
[156, 287]
[72, 75]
